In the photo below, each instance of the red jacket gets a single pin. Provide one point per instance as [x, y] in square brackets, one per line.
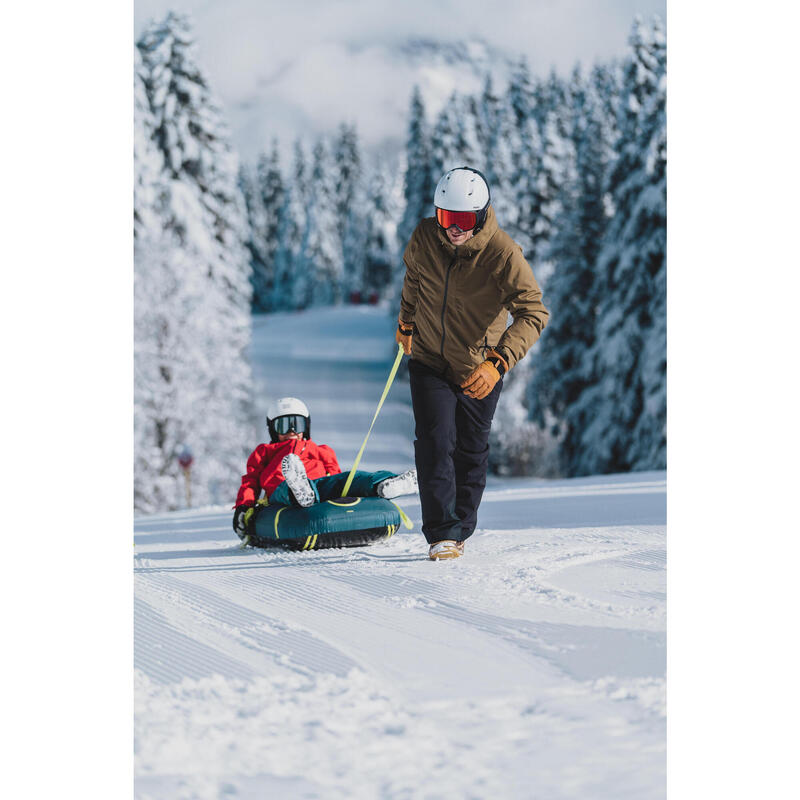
[264, 466]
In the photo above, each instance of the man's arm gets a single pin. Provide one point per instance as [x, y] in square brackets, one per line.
[522, 297]
[408, 297]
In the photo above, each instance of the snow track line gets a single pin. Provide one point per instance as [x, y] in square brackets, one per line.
[183, 655]
[230, 627]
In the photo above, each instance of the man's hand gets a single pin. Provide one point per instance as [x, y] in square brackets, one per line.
[405, 330]
[481, 381]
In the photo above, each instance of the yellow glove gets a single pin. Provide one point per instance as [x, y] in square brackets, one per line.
[405, 330]
[482, 379]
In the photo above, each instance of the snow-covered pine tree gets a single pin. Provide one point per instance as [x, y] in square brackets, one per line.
[468, 150]
[520, 93]
[259, 278]
[380, 247]
[322, 253]
[419, 186]
[270, 196]
[351, 208]
[443, 152]
[156, 429]
[529, 190]
[292, 287]
[500, 167]
[205, 275]
[572, 294]
[627, 401]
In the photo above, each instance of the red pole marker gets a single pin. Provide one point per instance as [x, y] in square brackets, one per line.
[185, 459]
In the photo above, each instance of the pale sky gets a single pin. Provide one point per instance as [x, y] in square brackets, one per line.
[290, 68]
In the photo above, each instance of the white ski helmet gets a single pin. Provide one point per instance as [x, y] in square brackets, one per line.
[289, 407]
[463, 189]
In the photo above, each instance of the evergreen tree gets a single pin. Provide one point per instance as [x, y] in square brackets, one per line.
[351, 211]
[500, 167]
[559, 380]
[194, 320]
[520, 93]
[156, 427]
[292, 287]
[259, 278]
[627, 401]
[444, 145]
[419, 186]
[530, 189]
[322, 251]
[467, 147]
[380, 247]
[270, 197]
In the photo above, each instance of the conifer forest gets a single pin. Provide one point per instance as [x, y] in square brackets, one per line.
[577, 169]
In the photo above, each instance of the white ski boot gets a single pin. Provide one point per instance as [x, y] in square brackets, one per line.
[405, 483]
[297, 480]
[447, 548]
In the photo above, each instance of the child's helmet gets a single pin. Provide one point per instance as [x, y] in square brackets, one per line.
[286, 415]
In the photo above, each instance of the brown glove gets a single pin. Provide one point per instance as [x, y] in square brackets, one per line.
[405, 330]
[482, 379]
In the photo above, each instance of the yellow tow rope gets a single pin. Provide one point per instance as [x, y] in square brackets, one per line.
[380, 405]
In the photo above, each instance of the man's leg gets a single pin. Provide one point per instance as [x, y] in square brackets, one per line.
[471, 457]
[434, 402]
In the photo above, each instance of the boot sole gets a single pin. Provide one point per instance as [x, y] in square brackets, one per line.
[297, 482]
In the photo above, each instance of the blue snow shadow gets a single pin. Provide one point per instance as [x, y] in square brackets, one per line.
[574, 512]
[602, 500]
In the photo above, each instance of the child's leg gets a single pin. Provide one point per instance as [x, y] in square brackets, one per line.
[281, 495]
[364, 484]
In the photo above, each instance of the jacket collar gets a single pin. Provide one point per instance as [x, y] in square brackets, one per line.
[478, 241]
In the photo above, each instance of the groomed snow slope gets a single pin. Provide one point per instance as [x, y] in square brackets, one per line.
[531, 668]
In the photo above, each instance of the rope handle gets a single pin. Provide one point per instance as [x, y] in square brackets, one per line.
[386, 388]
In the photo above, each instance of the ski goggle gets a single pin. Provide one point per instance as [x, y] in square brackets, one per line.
[289, 423]
[463, 220]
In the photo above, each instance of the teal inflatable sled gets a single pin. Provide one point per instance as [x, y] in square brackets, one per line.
[343, 522]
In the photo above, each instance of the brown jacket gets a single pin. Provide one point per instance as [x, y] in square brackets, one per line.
[459, 298]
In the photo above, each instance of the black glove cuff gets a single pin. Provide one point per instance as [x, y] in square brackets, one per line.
[498, 363]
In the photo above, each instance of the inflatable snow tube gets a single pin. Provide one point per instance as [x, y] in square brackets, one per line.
[344, 522]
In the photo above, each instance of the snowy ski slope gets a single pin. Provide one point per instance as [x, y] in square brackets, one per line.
[531, 668]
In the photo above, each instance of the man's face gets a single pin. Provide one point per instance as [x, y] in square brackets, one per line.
[457, 236]
[282, 437]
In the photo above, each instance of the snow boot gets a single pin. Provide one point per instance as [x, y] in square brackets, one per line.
[405, 483]
[447, 548]
[297, 480]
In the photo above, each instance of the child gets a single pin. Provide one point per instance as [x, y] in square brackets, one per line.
[294, 470]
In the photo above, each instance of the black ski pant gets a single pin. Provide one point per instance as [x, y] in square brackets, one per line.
[451, 452]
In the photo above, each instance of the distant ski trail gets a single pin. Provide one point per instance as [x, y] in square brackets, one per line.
[532, 667]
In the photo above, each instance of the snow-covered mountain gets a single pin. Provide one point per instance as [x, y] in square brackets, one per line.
[368, 83]
[532, 667]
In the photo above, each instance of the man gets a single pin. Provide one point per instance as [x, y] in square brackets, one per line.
[294, 470]
[464, 275]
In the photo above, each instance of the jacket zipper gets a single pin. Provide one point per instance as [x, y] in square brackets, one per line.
[444, 300]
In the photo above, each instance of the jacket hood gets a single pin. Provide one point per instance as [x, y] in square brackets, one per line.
[478, 241]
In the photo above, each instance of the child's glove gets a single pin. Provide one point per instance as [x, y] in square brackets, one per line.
[241, 520]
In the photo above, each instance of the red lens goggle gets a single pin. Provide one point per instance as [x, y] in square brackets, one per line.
[463, 220]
